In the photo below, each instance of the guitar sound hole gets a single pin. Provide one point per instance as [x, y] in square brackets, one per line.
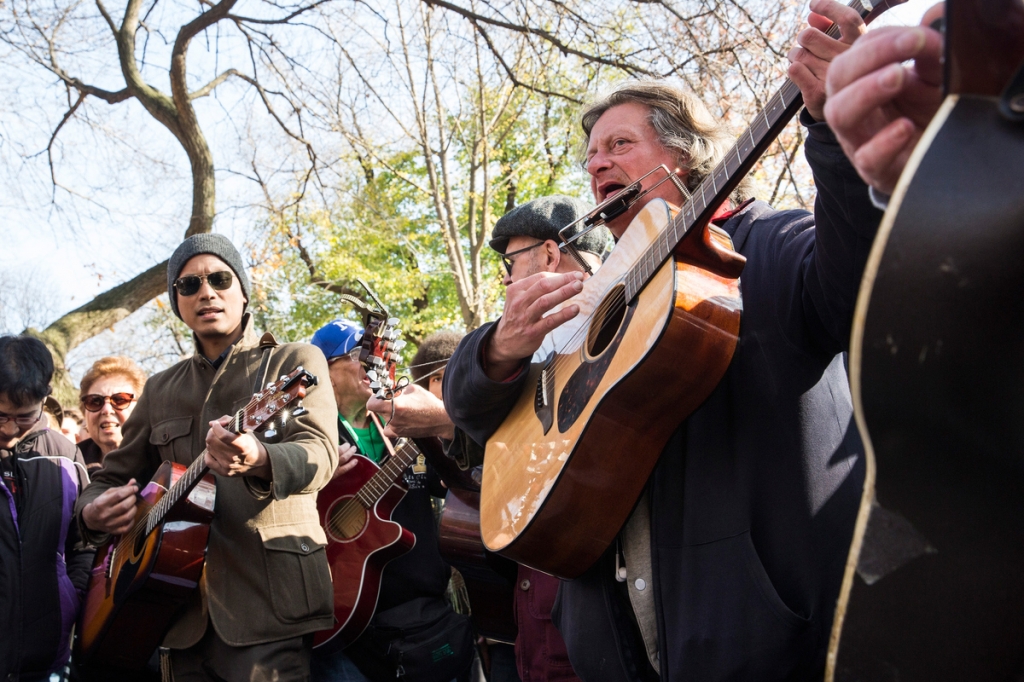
[607, 320]
[139, 545]
[347, 520]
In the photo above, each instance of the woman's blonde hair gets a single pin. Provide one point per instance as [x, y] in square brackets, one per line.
[119, 366]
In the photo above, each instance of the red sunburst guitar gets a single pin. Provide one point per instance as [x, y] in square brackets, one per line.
[141, 579]
[355, 511]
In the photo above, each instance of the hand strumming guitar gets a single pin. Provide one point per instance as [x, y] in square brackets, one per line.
[525, 322]
[113, 511]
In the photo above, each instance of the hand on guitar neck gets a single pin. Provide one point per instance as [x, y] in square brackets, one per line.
[814, 52]
[414, 412]
[232, 454]
[525, 322]
[878, 107]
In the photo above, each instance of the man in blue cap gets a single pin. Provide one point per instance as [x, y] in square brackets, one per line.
[412, 592]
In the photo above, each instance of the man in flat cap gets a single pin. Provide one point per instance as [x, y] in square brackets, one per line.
[266, 586]
[528, 241]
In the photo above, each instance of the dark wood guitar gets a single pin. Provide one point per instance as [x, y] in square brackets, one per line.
[140, 580]
[490, 579]
[658, 325]
[934, 588]
[355, 511]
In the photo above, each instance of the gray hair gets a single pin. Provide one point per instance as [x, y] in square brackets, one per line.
[681, 121]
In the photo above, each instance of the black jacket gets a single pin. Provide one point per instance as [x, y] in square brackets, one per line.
[754, 497]
[44, 568]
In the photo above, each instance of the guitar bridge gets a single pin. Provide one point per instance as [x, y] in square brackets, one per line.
[542, 400]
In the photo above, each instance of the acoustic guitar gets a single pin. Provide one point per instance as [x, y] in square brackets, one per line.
[355, 512]
[140, 580]
[657, 328]
[934, 586]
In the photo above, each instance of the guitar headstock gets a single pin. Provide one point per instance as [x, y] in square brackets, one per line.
[379, 355]
[279, 401]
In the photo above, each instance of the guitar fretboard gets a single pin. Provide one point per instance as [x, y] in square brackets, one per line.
[183, 486]
[390, 471]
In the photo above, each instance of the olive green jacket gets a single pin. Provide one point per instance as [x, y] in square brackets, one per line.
[266, 576]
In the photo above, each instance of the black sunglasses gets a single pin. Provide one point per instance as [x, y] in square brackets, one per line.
[189, 284]
[508, 262]
[94, 402]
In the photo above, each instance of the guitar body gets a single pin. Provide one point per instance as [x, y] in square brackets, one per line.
[490, 579]
[360, 543]
[563, 472]
[136, 589]
[934, 588]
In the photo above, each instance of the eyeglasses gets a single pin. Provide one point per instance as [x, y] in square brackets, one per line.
[509, 262]
[351, 355]
[22, 421]
[119, 401]
[189, 284]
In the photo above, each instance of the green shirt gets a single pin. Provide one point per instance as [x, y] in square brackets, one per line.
[368, 440]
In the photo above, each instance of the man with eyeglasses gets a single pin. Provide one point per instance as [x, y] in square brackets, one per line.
[43, 563]
[266, 583]
[527, 237]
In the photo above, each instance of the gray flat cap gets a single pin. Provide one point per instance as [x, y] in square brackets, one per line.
[542, 219]
[214, 244]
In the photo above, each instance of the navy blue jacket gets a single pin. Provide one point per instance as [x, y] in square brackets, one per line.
[44, 567]
[754, 497]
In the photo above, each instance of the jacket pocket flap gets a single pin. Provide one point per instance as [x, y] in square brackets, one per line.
[169, 429]
[296, 544]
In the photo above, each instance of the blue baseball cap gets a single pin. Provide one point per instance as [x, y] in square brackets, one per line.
[337, 337]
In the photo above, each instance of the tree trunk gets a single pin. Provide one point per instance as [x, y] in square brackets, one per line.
[99, 314]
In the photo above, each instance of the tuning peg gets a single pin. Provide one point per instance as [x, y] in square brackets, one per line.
[393, 321]
[399, 345]
[270, 431]
[270, 385]
[372, 375]
[299, 410]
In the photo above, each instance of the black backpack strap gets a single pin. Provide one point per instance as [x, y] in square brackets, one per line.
[267, 343]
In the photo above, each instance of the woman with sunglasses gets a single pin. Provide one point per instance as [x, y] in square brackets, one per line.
[109, 392]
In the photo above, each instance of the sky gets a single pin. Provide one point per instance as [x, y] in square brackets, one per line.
[72, 253]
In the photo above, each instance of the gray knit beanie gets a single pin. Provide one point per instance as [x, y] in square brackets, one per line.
[542, 218]
[214, 244]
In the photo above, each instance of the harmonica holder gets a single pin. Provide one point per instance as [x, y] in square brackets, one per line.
[611, 208]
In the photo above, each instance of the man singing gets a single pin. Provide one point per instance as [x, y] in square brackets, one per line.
[266, 586]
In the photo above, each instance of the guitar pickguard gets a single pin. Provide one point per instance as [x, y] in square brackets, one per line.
[584, 381]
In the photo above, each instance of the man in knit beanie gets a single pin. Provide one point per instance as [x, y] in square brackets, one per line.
[266, 586]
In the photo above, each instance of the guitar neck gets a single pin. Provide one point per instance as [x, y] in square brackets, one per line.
[390, 472]
[188, 480]
[181, 488]
[737, 162]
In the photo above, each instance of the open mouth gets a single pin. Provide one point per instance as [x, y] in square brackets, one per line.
[209, 313]
[609, 190]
